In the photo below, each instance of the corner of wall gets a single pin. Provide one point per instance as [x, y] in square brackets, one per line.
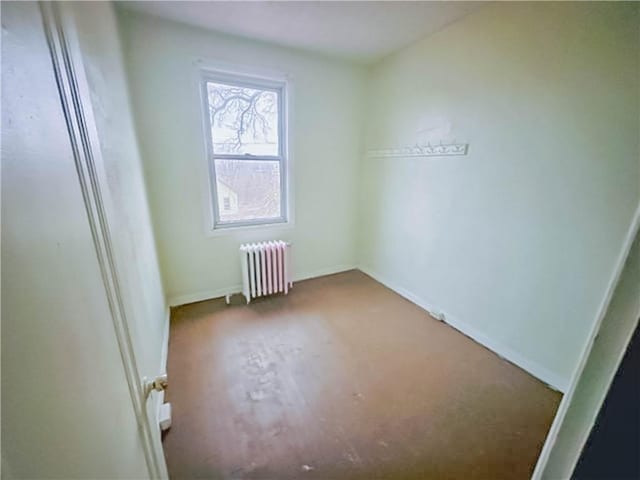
[553, 379]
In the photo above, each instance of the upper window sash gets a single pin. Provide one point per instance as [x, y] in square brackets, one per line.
[278, 87]
[241, 80]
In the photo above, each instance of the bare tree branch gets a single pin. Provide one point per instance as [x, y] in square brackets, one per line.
[243, 110]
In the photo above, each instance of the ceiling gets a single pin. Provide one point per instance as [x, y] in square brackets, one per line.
[358, 31]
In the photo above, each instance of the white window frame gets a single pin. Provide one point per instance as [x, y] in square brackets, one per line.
[260, 83]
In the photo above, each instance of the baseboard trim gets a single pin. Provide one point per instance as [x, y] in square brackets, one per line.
[543, 374]
[325, 271]
[185, 299]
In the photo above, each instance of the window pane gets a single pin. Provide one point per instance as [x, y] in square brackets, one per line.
[243, 120]
[247, 189]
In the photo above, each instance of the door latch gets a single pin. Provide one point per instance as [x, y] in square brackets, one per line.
[159, 384]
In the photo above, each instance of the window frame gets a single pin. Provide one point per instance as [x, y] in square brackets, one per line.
[280, 87]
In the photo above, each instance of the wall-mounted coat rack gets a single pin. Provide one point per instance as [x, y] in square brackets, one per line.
[428, 150]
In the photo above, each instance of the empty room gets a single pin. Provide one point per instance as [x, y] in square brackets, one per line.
[320, 240]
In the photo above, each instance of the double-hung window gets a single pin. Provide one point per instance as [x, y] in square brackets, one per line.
[246, 135]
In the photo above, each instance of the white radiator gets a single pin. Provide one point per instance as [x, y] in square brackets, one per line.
[265, 268]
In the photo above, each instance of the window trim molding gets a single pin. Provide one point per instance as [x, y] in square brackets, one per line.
[250, 79]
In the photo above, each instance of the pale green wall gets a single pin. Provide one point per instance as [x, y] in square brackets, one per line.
[125, 197]
[514, 242]
[67, 410]
[325, 147]
[518, 239]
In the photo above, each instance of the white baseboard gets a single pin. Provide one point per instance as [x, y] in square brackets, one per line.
[221, 292]
[324, 271]
[178, 300]
[551, 378]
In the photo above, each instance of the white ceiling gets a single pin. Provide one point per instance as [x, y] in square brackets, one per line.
[360, 31]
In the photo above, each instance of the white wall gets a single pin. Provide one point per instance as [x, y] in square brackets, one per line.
[514, 242]
[66, 406]
[162, 67]
[517, 240]
[125, 194]
[128, 210]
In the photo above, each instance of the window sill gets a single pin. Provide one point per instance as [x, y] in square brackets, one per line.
[243, 230]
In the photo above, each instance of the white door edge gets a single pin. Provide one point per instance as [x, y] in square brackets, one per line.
[74, 97]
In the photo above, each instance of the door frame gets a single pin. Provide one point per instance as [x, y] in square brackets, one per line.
[567, 398]
[73, 89]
